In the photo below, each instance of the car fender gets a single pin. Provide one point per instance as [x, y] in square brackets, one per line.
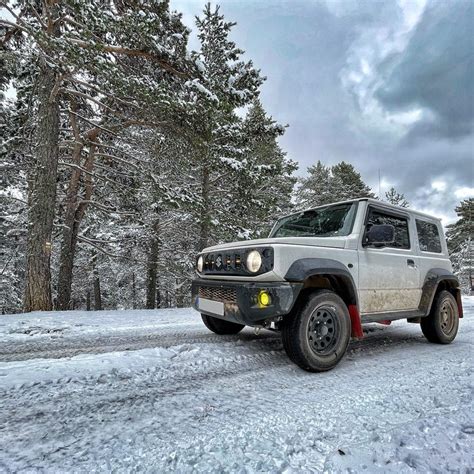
[433, 279]
[303, 269]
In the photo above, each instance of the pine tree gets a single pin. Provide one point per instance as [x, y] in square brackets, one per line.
[76, 50]
[12, 205]
[459, 238]
[352, 184]
[395, 198]
[228, 83]
[325, 185]
[264, 185]
[319, 187]
[315, 189]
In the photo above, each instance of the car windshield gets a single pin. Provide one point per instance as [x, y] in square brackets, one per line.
[329, 221]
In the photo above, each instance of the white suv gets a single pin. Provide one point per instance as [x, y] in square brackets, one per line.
[325, 271]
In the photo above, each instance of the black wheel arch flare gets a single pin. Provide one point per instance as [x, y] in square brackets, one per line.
[341, 280]
[305, 268]
[439, 279]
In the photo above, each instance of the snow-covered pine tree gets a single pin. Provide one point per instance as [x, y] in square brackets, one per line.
[141, 95]
[459, 238]
[317, 188]
[324, 185]
[12, 204]
[170, 202]
[227, 84]
[352, 184]
[68, 46]
[30, 36]
[394, 197]
[264, 189]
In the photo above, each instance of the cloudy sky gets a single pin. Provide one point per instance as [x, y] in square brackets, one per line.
[382, 84]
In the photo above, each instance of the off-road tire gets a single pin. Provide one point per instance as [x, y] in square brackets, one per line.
[304, 334]
[219, 326]
[441, 326]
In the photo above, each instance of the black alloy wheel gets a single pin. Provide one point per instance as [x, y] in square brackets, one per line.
[316, 334]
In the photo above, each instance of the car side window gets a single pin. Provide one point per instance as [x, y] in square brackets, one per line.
[402, 237]
[428, 236]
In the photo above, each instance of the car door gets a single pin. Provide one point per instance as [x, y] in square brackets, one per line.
[388, 275]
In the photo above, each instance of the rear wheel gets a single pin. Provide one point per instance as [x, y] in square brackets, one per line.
[441, 326]
[316, 336]
[220, 326]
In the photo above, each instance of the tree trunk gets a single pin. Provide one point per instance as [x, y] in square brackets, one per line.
[205, 222]
[97, 294]
[152, 268]
[42, 177]
[88, 300]
[96, 284]
[134, 291]
[158, 297]
[74, 213]
[66, 260]
[179, 294]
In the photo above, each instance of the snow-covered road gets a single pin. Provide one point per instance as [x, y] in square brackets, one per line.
[155, 391]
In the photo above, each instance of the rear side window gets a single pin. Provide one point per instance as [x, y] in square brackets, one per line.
[428, 236]
[402, 238]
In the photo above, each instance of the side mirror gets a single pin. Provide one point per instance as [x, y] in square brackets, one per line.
[380, 235]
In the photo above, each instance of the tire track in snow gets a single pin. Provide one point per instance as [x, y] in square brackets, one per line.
[62, 347]
[70, 347]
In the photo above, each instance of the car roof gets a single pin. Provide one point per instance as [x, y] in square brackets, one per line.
[378, 203]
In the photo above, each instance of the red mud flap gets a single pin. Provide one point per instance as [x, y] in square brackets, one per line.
[459, 302]
[385, 322]
[355, 322]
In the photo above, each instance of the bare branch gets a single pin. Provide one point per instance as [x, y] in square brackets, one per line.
[105, 252]
[122, 160]
[107, 208]
[99, 91]
[75, 128]
[87, 97]
[38, 17]
[14, 26]
[6, 196]
[120, 186]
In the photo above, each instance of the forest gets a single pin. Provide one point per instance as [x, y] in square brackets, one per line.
[124, 152]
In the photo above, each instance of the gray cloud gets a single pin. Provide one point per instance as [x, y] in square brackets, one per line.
[362, 82]
[435, 72]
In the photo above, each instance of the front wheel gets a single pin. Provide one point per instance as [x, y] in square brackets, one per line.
[317, 335]
[220, 326]
[441, 326]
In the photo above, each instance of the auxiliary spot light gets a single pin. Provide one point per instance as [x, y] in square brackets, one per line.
[264, 298]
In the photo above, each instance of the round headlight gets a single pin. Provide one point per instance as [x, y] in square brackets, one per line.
[254, 261]
[200, 264]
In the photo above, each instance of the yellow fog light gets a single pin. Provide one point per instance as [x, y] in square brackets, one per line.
[264, 298]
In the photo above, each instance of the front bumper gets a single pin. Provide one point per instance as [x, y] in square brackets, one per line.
[240, 299]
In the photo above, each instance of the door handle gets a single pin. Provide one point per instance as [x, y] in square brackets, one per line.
[411, 263]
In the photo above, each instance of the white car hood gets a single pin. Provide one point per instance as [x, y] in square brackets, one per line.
[334, 242]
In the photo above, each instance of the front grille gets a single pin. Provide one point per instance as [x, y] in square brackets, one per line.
[232, 262]
[226, 295]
